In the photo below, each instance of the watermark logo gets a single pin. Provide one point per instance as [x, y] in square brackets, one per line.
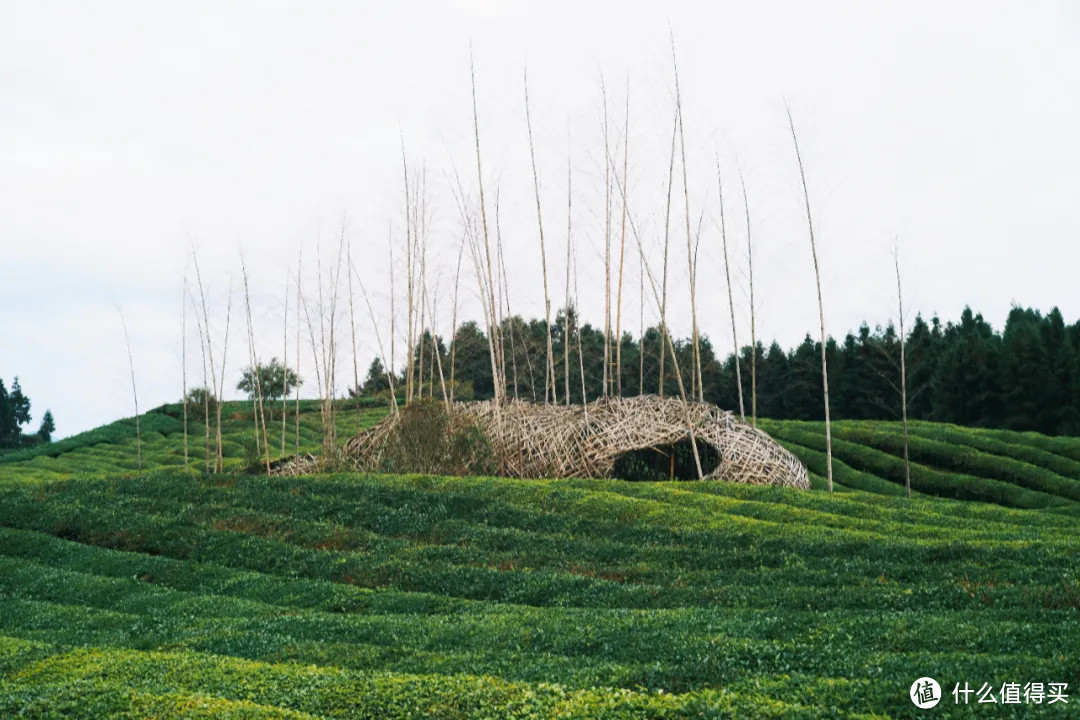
[925, 693]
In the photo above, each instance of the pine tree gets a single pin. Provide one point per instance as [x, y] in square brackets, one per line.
[48, 427]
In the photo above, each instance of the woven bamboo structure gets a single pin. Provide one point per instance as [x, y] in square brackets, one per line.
[536, 440]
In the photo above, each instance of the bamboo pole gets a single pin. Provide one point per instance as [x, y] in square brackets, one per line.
[581, 353]
[435, 349]
[662, 301]
[352, 328]
[393, 314]
[502, 299]
[453, 320]
[208, 352]
[903, 371]
[183, 369]
[206, 389]
[550, 394]
[285, 364]
[260, 408]
[499, 367]
[378, 338]
[695, 370]
[134, 392]
[821, 304]
[299, 297]
[566, 303]
[671, 349]
[731, 299]
[753, 326]
[221, 385]
[622, 247]
[409, 285]
[607, 247]
[641, 331]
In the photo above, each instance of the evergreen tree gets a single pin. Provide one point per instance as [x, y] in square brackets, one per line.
[965, 386]
[48, 427]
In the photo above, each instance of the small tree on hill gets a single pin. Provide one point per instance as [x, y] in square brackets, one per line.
[376, 380]
[275, 379]
[48, 427]
[14, 412]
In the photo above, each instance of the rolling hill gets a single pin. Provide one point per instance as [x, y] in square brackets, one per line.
[161, 594]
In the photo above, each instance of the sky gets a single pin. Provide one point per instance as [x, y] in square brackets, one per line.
[133, 132]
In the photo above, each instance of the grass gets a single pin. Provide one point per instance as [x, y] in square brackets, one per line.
[380, 596]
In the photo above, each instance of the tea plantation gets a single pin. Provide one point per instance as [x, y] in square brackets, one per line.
[163, 594]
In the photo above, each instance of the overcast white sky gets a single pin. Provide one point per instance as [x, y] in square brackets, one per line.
[130, 129]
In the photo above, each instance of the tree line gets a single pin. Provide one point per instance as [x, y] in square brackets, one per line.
[1026, 377]
[14, 413]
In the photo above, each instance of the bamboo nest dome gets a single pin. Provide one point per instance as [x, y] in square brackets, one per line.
[538, 440]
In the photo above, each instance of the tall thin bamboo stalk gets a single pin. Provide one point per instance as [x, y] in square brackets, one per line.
[285, 363]
[221, 385]
[622, 247]
[695, 370]
[498, 366]
[671, 349]
[566, 302]
[208, 351]
[352, 328]
[299, 297]
[502, 299]
[378, 339]
[206, 388]
[550, 394]
[580, 350]
[821, 304]
[662, 301]
[641, 330]
[260, 417]
[607, 379]
[183, 370]
[134, 392]
[409, 284]
[731, 299]
[903, 371]
[435, 349]
[453, 321]
[393, 294]
[753, 324]
[420, 252]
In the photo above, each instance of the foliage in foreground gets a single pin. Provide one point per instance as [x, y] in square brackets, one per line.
[416, 596]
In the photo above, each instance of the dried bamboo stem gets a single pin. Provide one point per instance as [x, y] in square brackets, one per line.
[498, 366]
[134, 392]
[695, 370]
[821, 304]
[221, 385]
[731, 299]
[753, 326]
[453, 321]
[260, 417]
[566, 302]
[607, 379]
[352, 328]
[183, 369]
[550, 394]
[903, 371]
[662, 301]
[670, 347]
[378, 339]
[299, 298]
[206, 389]
[285, 363]
[622, 247]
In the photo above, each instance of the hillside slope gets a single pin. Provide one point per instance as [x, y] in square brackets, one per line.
[167, 595]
